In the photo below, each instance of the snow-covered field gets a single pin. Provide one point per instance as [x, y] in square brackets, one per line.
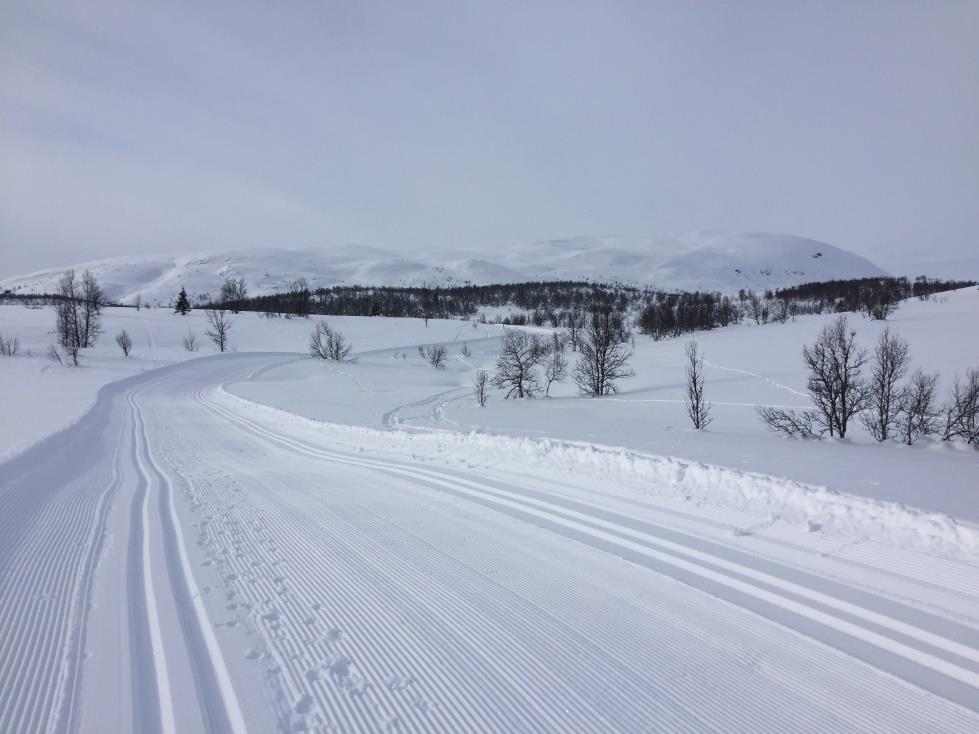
[46, 396]
[258, 541]
[747, 365]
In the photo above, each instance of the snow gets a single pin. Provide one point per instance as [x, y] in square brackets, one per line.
[814, 507]
[747, 365]
[258, 541]
[46, 396]
[697, 261]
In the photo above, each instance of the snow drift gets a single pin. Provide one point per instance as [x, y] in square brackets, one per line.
[818, 508]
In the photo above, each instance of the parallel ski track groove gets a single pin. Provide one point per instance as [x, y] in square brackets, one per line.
[495, 688]
[964, 676]
[44, 602]
[311, 577]
[618, 646]
[751, 725]
[219, 704]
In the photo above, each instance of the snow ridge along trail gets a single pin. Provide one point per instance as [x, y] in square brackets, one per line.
[591, 527]
[190, 564]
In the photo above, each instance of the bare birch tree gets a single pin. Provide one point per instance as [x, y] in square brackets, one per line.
[697, 407]
[219, 326]
[555, 365]
[125, 342]
[962, 410]
[918, 411]
[68, 326]
[516, 363]
[234, 291]
[835, 385]
[90, 310]
[480, 382]
[891, 361]
[604, 356]
[326, 343]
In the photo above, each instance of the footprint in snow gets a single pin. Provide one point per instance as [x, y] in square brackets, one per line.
[339, 668]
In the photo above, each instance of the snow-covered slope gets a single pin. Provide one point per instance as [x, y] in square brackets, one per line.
[695, 261]
[691, 262]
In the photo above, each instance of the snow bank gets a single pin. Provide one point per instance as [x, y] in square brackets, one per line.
[820, 508]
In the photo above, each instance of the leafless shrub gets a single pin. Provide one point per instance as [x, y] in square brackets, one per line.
[9, 345]
[697, 408]
[437, 356]
[918, 411]
[190, 342]
[891, 360]
[555, 365]
[54, 355]
[779, 310]
[125, 342]
[480, 382]
[962, 410]
[465, 351]
[325, 343]
[218, 327]
[804, 424]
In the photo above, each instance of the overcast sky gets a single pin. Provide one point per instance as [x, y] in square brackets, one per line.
[167, 127]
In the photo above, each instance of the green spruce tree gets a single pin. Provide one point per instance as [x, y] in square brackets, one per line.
[183, 303]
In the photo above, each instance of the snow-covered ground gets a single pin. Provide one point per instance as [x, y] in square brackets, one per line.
[260, 542]
[46, 396]
[747, 365]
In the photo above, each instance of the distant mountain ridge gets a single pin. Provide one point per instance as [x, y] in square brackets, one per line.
[696, 261]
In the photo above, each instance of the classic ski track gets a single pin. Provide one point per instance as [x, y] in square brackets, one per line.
[956, 578]
[735, 576]
[410, 581]
[158, 649]
[40, 695]
[219, 705]
[493, 689]
[388, 572]
[579, 636]
[803, 679]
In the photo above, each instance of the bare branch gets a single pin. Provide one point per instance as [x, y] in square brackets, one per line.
[125, 342]
[697, 408]
[479, 387]
[218, 327]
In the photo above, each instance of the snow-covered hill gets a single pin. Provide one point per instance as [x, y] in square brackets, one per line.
[690, 262]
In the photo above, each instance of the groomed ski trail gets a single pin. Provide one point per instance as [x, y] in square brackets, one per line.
[174, 562]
